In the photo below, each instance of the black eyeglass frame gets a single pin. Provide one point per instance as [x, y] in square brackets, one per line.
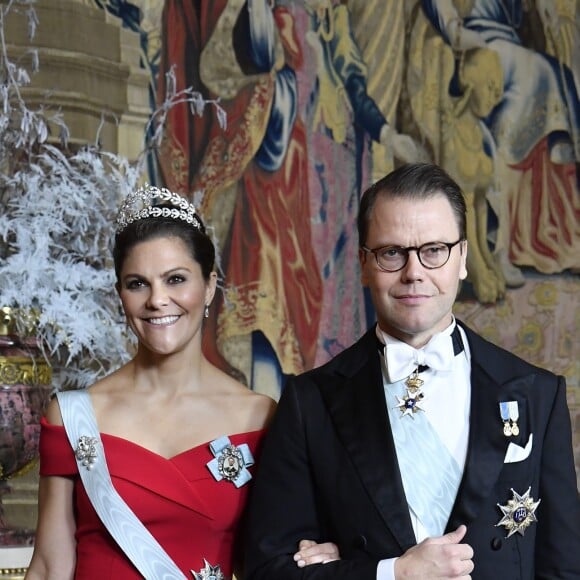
[417, 249]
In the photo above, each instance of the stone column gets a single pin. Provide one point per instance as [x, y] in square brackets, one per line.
[89, 69]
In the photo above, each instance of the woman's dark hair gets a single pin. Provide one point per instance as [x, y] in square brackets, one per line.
[195, 239]
[417, 181]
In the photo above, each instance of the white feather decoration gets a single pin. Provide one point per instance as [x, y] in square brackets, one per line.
[57, 215]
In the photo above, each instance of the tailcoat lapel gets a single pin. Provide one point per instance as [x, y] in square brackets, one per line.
[358, 408]
[356, 403]
[487, 444]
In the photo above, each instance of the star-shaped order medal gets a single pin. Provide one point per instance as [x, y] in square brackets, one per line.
[518, 513]
[208, 572]
[411, 402]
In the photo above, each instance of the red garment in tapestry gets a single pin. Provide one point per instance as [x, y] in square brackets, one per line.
[268, 258]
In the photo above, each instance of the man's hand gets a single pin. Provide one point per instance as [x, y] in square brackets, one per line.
[309, 552]
[442, 557]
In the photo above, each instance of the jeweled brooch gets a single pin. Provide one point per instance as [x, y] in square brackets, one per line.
[518, 513]
[230, 462]
[208, 572]
[86, 451]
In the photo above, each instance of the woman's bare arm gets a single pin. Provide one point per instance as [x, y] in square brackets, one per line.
[54, 555]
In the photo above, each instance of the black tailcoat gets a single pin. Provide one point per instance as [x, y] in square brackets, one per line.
[329, 472]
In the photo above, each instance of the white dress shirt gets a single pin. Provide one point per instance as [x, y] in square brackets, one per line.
[446, 405]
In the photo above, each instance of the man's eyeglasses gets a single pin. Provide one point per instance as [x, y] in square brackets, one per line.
[432, 255]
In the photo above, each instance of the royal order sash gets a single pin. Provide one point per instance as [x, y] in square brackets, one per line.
[430, 474]
[124, 526]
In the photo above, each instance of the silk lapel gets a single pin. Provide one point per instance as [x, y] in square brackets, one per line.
[358, 409]
[487, 444]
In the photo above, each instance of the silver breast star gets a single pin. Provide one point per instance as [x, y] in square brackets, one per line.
[208, 572]
[518, 513]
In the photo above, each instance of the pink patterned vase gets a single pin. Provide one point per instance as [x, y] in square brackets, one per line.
[25, 378]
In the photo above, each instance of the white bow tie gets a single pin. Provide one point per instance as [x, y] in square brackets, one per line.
[403, 359]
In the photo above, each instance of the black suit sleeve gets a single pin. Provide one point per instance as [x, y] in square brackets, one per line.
[557, 553]
[283, 508]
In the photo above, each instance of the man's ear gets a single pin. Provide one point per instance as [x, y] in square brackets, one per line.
[463, 265]
[362, 258]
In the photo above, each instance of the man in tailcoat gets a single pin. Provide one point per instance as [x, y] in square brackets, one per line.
[422, 451]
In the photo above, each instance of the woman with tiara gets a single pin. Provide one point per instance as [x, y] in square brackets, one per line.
[146, 473]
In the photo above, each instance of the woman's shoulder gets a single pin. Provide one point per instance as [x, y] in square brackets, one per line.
[263, 407]
[52, 414]
[99, 392]
[256, 408]
[117, 380]
[259, 407]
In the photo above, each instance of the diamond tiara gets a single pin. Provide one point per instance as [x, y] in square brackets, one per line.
[140, 204]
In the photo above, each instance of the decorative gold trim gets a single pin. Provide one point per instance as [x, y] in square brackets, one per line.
[6, 320]
[15, 370]
[13, 573]
[22, 471]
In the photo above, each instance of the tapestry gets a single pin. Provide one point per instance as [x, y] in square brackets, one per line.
[322, 98]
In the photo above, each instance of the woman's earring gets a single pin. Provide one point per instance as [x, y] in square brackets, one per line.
[206, 311]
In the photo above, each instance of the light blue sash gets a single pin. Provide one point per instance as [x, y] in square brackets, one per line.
[124, 526]
[430, 474]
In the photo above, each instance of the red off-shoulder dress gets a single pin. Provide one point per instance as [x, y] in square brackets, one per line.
[194, 517]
